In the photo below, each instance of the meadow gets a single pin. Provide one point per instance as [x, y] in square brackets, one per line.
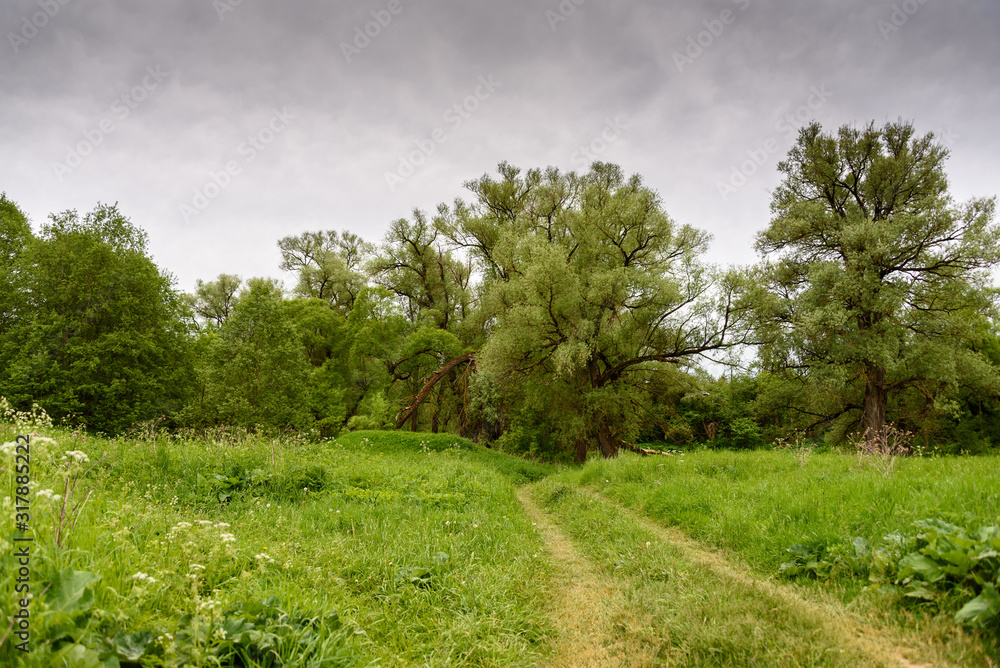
[394, 548]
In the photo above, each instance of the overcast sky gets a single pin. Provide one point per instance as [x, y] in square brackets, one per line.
[220, 127]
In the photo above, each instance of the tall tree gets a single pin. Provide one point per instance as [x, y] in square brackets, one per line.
[329, 264]
[415, 264]
[213, 301]
[874, 270]
[593, 289]
[15, 235]
[256, 371]
[101, 334]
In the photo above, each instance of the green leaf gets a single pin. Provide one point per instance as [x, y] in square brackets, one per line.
[981, 610]
[80, 656]
[919, 590]
[922, 565]
[131, 646]
[421, 577]
[938, 526]
[70, 592]
[861, 547]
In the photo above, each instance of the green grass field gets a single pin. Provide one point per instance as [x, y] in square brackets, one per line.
[392, 549]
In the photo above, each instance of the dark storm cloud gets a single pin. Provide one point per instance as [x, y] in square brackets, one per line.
[686, 93]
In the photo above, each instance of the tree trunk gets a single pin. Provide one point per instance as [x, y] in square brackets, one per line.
[581, 451]
[435, 415]
[607, 442]
[876, 400]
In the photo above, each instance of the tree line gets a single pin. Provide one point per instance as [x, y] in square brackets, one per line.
[549, 313]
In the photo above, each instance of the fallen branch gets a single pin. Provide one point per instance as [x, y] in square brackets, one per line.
[403, 416]
[645, 452]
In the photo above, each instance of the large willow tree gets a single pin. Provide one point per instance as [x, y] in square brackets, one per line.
[589, 288]
[877, 277]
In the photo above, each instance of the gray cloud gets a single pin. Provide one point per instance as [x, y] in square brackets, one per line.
[685, 129]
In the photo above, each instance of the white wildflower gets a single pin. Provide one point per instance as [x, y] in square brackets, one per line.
[48, 494]
[227, 538]
[77, 456]
[208, 605]
[196, 568]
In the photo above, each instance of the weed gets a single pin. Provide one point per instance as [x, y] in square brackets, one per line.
[882, 448]
[797, 445]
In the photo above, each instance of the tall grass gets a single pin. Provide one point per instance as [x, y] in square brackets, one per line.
[756, 506]
[416, 548]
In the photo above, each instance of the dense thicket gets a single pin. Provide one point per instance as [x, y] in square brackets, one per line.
[550, 313]
[92, 330]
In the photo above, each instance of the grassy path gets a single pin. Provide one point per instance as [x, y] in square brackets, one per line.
[630, 592]
[838, 621]
[585, 604]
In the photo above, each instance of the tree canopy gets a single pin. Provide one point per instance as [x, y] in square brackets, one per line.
[99, 332]
[549, 313]
[591, 289]
[875, 273]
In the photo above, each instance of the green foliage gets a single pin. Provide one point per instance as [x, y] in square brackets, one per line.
[15, 237]
[255, 370]
[518, 470]
[326, 340]
[415, 266]
[943, 564]
[255, 633]
[100, 336]
[742, 433]
[224, 487]
[421, 576]
[62, 626]
[591, 290]
[213, 301]
[951, 561]
[876, 279]
[179, 578]
[329, 265]
[299, 479]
